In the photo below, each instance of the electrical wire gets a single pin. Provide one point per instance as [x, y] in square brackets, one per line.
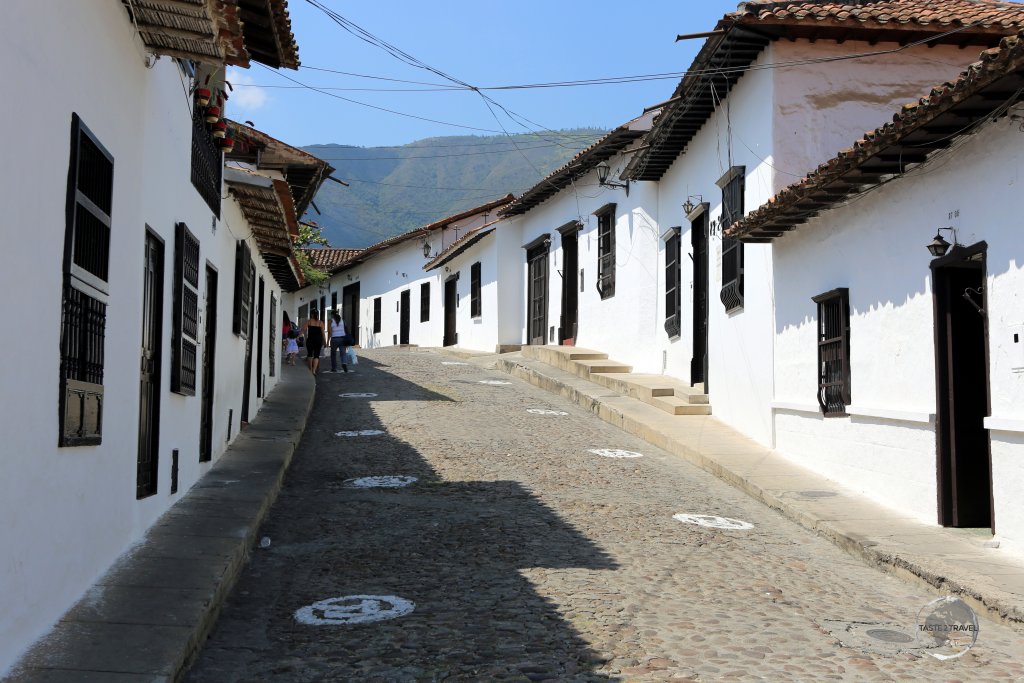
[438, 156]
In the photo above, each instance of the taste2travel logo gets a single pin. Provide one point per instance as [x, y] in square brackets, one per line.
[947, 628]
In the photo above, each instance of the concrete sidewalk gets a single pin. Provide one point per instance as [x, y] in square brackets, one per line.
[952, 561]
[144, 620]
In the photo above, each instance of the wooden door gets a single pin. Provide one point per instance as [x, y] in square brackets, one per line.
[209, 367]
[149, 383]
[451, 303]
[964, 460]
[259, 339]
[570, 287]
[537, 295]
[350, 310]
[405, 303]
[699, 244]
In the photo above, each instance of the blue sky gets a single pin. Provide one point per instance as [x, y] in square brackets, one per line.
[482, 43]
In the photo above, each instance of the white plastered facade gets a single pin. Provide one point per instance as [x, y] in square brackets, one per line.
[70, 512]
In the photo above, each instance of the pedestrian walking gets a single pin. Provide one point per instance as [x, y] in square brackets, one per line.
[338, 341]
[313, 330]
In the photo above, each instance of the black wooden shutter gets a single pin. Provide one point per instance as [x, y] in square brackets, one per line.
[185, 333]
[732, 249]
[85, 289]
[475, 305]
[606, 253]
[672, 284]
[243, 286]
[376, 314]
[424, 302]
[272, 333]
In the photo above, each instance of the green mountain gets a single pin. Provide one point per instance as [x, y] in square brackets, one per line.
[395, 189]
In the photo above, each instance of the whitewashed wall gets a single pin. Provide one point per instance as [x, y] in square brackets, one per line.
[69, 512]
[621, 325]
[739, 343]
[478, 333]
[822, 108]
[511, 304]
[876, 247]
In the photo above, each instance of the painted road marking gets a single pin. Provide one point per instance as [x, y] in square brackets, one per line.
[713, 521]
[356, 395]
[452, 362]
[354, 609]
[381, 482]
[361, 432]
[615, 453]
[545, 411]
[493, 381]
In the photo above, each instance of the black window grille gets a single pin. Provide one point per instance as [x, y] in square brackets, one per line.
[672, 284]
[732, 249]
[376, 314]
[207, 164]
[475, 305]
[833, 351]
[84, 292]
[243, 289]
[424, 302]
[272, 333]
[606, 252]
[185, 330]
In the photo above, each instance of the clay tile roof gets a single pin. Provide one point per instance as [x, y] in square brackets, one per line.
[918, 130]
[328, 258]
[233, 32]
[740, 36]
[879, 12]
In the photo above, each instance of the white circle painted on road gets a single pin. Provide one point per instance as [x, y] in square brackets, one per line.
[361, 432]
[452, 362]
[545, 411]
[713, 521]
[356, 395]
[354, 609]
[615, 453]
[381, 482]
[493, 381]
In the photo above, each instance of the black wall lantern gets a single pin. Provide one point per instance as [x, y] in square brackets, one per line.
[603, 169]
[939, 246]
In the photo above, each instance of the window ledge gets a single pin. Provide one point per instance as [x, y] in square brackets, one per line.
[1004, 424]
[797, 407]
[889, 414]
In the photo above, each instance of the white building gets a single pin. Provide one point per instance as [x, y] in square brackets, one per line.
[383, 293]
[585, 255]
[898, 372]
[776, 87]
[154, 297]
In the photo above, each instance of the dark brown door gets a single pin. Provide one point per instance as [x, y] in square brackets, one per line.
[404, 306]
[149, 384]
[350, 310]
[699, 244]
[570, 287]
[964, 463]
[259, 339]
[209, 366]
[247, 379]
[451, 303]
[537, 295]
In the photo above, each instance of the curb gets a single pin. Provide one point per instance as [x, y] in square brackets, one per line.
[932, 573]
[147, 617]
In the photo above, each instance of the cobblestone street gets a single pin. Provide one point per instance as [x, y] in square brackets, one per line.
[523, 555]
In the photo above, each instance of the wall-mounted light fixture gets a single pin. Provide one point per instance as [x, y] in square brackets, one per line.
[689, 205]
[426, 249]
[939, 246]
[603, 169]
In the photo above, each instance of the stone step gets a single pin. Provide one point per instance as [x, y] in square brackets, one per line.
[676, 405]
[561, 357]
[585, 368]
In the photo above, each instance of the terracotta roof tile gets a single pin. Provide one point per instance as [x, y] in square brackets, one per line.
[880, 12]
[328, 258]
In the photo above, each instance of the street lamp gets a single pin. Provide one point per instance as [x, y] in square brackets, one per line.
[603, 169]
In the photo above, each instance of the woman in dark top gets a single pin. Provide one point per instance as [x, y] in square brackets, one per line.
[315, 334]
